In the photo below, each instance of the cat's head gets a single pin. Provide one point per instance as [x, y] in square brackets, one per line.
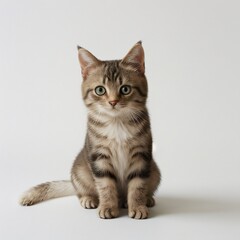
[114, 87]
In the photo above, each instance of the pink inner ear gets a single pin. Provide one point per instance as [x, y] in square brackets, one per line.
[139, 60]
[87, 70]
[135, 58]
[84, 73]
[87, 61]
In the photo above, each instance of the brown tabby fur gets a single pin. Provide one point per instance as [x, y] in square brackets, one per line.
[115, 167]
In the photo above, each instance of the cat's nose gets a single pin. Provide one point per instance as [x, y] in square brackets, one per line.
[114, 102]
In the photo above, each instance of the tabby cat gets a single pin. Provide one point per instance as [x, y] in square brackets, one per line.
[115, 167]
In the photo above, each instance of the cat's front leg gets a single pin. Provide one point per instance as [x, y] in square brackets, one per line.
[108, 197]
[106, 185]
[137, 198]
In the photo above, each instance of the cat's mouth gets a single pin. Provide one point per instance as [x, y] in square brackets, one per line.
[117, 107]
[114, 108]
[111, 110]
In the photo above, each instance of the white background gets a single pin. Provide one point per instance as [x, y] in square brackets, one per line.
[192, 64]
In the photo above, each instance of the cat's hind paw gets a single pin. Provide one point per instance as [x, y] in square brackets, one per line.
[150, 202]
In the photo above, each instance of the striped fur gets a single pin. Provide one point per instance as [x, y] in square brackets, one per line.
[115, 167]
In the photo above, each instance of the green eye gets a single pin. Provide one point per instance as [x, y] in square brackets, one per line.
[125, 90]
[100, 90]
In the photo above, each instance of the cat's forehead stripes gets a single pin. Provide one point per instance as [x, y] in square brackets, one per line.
[112, 72]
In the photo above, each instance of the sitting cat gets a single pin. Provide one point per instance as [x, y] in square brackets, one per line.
[115, 167]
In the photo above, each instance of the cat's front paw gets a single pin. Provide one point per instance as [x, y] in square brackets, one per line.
[108, 212]
[89, 202]
[138, 212]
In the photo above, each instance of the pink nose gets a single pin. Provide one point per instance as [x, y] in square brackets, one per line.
[114, 102]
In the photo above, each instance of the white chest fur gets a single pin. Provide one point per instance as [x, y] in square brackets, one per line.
[120, 160]
[119, 133]
[117, 130]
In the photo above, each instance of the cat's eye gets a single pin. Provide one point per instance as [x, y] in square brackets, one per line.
[125, 90]
[100, 90]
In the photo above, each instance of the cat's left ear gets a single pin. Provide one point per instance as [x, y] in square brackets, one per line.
[87, 61]
[134, 60]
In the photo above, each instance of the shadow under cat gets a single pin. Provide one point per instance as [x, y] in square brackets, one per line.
[173, 205]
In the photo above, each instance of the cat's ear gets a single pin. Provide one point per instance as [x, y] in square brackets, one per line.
[134, 60]
[87, 61]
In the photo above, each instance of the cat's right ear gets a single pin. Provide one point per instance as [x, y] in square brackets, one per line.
[87, 61]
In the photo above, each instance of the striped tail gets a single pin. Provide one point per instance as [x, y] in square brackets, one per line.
[46, 191]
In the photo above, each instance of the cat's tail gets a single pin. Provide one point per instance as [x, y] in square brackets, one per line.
[46, 191]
